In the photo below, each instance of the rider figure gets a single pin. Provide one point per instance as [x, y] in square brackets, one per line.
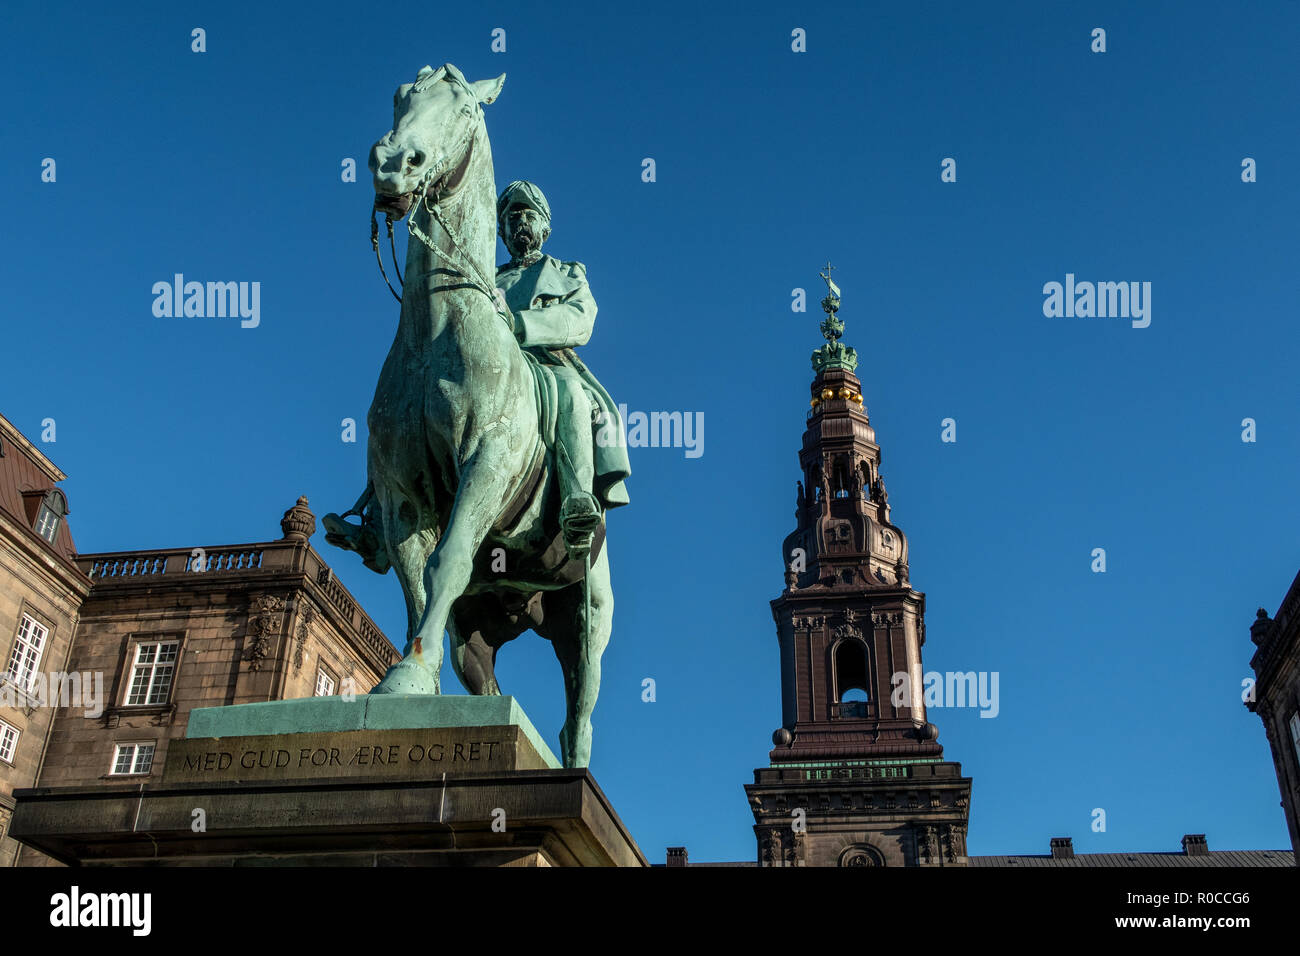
[553, 311]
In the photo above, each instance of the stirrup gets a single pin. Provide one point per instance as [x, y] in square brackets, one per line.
[580, 516]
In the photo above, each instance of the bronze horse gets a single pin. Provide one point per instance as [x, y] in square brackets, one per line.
[463, 501]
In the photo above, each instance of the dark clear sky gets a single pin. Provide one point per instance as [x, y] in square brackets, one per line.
[1119, 691]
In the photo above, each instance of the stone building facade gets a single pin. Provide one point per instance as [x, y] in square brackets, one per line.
[173, 630]
[41, 593]
[1276, 699]
[106, 654]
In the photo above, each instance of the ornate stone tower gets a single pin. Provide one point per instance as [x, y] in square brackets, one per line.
[857, 776]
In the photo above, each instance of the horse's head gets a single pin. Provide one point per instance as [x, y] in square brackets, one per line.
[434, 120]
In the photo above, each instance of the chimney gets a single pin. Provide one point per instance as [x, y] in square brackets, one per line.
[676, 856]
[1062, 848]
[1194, 845]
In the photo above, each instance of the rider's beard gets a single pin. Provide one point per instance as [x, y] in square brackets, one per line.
[525, 243]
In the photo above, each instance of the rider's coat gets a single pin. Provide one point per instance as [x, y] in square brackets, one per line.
[554, 311]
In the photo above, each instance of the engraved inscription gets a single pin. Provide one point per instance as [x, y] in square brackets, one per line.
[403, 754]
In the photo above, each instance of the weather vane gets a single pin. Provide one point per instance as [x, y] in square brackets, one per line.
[832, 325]
[834, 289]
[833, 354]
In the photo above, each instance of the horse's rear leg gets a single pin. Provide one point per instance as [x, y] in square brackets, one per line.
[478, 626]
[579, 652]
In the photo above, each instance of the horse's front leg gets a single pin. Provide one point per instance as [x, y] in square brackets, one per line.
[446, 573]
[482, 491]
[410, 539]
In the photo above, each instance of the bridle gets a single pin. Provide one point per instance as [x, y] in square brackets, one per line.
[466, 267]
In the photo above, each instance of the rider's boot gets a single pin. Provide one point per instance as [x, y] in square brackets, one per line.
[363, 538]
[580, 513]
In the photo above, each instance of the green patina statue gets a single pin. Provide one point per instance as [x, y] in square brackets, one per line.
[552, 310]
[486, 491]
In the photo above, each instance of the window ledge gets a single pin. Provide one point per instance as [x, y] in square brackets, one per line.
[162, 714]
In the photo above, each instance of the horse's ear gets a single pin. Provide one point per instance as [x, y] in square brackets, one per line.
[486, 91]
[428, 76]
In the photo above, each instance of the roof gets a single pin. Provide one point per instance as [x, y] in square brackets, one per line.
[1214, 858]
[1210, 858]
[25, 472]
[698, 865]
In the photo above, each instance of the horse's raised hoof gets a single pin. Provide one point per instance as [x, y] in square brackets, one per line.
[407, 677]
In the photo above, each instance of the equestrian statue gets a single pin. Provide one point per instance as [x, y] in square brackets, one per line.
[487, 490]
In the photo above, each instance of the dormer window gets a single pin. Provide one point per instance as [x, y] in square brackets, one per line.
[53, 508]
[47, 524]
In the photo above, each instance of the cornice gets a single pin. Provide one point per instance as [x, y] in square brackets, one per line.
[37, 550]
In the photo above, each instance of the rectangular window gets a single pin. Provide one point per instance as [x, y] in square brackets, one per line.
[132, 758]
[324, 683]
[151, 674]
[8, 741]
[47, 524]
[1295, 735]
[25, 657]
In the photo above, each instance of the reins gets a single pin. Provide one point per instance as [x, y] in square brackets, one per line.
[374, 244]
[466, 266]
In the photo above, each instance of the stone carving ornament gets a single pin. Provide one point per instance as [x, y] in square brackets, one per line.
[266, 615]
[861, 856]
[300, 640]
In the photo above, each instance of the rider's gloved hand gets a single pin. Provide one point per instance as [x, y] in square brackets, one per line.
[503, 309]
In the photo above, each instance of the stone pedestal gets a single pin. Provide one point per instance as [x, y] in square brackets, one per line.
[376, 781]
